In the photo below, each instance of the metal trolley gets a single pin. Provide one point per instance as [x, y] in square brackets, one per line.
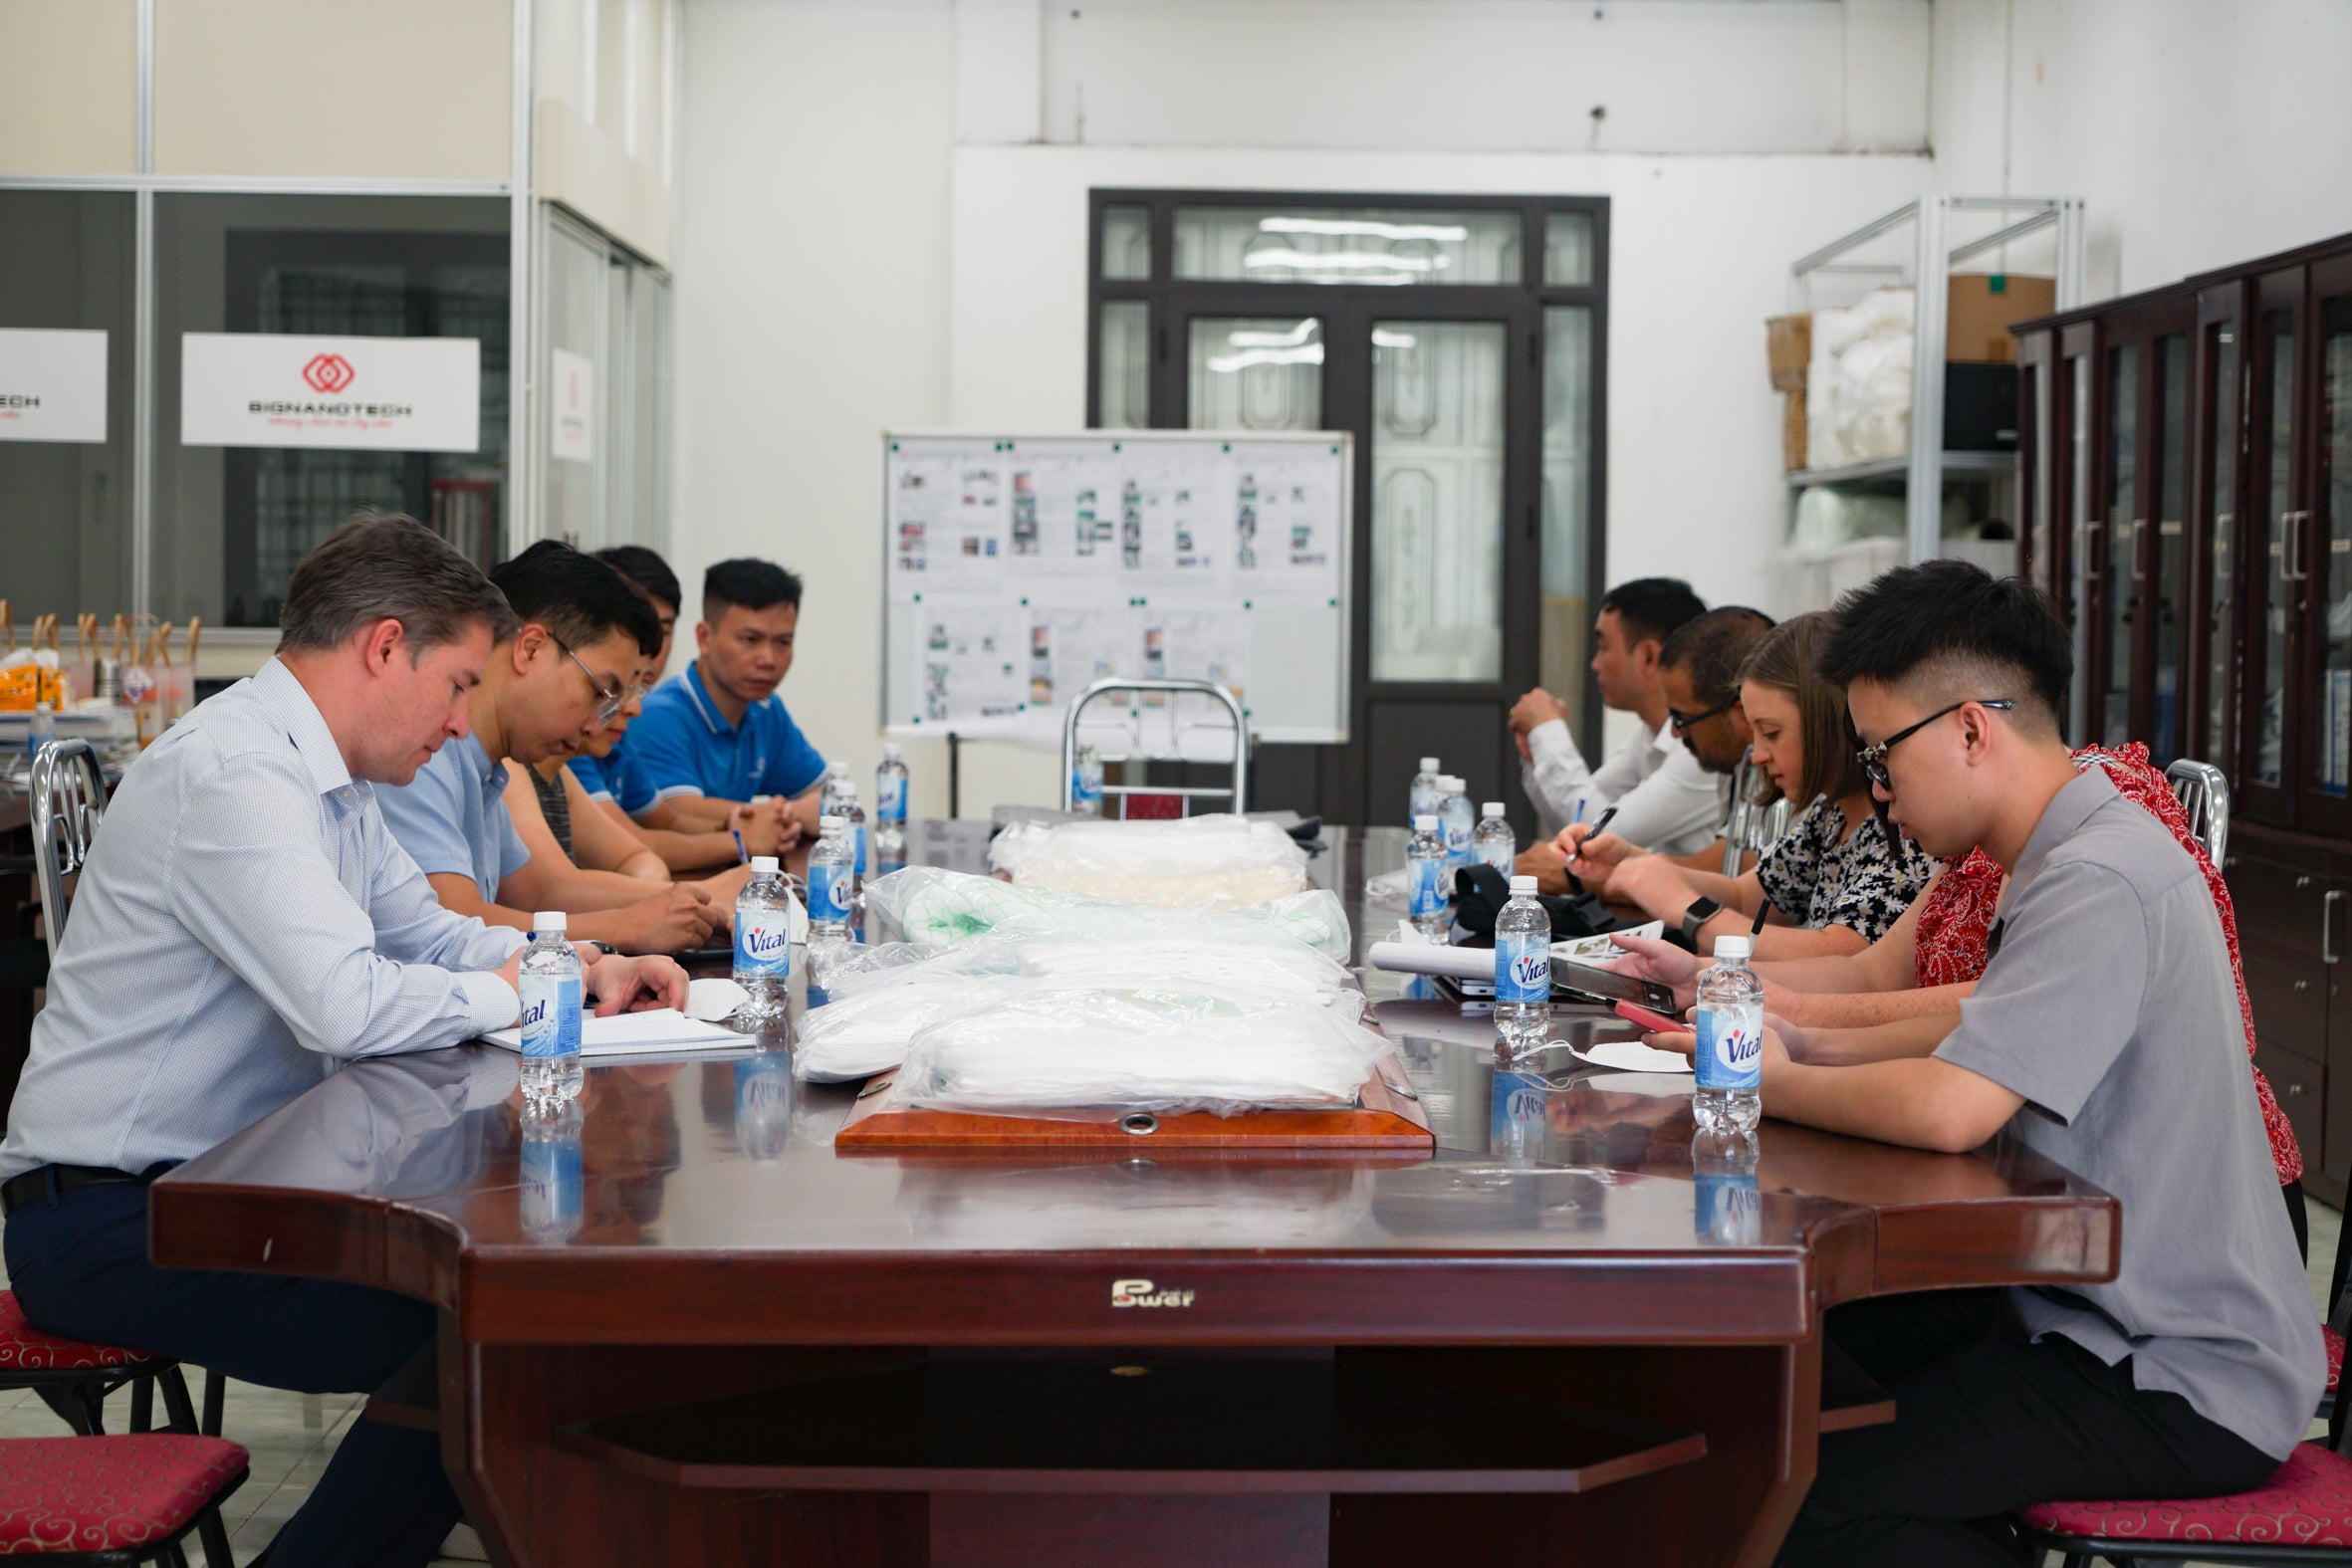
[1125, 690]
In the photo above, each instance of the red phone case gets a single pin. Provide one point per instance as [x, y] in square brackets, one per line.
[1654, 1023]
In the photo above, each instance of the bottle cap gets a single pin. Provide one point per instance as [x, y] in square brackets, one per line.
[1523, 886]
[892, 750]
[1452, 783]
[1734, 947]
[837, 770]
[1429, 764]
[764, 865]
[1425, 823]
[1490, 808]
[546, 921]
[827, 824]
[846, 789]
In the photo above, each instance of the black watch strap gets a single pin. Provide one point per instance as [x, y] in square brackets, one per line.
[1702, 910]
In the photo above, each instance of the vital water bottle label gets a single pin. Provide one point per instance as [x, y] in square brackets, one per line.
[1730, 1052]
[890, 800]
[828, 892]
[1427, 893]
[1522, 967]
[550, 1014]
[1728, 1210]
[1458, 840]
[1498, 856]
[764, 944]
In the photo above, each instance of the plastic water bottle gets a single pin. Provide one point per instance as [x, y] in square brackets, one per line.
[1086, 783]
[1523, 968]
[831, 882]
[1458, 821]
[1728, 1207]
[829, 798]
[850, 813]
[550, 1014]
[763, 940]
[40, 731]
[1516, 1120]
[890, 805]
[1426, 879]
[1494, 842]
[1730, 1047]
[552, 1175]
[764, 1104]
[1426, 798]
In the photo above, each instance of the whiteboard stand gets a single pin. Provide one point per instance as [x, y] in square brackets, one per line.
[1128, 691]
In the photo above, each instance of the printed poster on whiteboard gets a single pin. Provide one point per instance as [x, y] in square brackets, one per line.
[571, 405]
[376, 394]
[53, 385]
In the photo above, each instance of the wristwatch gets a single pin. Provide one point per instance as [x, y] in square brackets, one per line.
[1702, 910]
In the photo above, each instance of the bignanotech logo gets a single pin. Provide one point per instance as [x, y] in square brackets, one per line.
[1143, 1293]
[328, 372]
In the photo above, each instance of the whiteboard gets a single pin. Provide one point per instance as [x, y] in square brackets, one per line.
[1018, 569]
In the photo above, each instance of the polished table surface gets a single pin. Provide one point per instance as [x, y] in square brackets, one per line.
[696, 1208]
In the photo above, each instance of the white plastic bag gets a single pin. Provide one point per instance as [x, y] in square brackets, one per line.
[1858, 385]
[930, 907]
[1199, 862]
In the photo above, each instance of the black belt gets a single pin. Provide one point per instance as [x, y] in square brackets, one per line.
[17, 1191]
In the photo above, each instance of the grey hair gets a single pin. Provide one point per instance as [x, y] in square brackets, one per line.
[383, 567]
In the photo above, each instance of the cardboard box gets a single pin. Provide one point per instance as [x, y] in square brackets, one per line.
[1789, 344]
[1979, 308]
[1792, 431]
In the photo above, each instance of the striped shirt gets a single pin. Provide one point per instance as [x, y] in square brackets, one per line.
[246, 922]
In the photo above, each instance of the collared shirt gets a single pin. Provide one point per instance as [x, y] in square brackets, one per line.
[614, 777]
[452, 817]
[2112, 1008]
[686, 747]
[1665, 800]
[245, 922]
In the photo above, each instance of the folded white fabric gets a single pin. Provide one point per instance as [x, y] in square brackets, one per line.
[930, 907]
[1198, 862]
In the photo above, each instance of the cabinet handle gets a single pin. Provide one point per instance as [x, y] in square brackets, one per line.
[2303, 985]
[2327, 927]
[2140, 531]
[2291, 568]
[2293, 1090]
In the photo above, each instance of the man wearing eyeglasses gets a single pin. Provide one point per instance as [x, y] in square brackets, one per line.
[550, 687]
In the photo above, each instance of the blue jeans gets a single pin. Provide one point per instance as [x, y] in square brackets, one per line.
[78, 1262]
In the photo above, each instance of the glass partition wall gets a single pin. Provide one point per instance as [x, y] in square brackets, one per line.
[1460, 342]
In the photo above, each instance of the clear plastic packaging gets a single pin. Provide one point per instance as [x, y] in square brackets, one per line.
[1199, 862]
[931, 907]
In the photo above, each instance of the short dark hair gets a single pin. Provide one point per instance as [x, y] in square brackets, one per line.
[576, 598]
[1712, 648]
[1787, 658]
[1653, 608]
[753, 583]
[1958, 626]
[379, 567]
[646, 569]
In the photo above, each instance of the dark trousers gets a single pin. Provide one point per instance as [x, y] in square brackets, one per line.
[1986, 1423]
[79, 1265]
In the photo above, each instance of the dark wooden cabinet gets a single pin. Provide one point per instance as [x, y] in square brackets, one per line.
[2185, 496]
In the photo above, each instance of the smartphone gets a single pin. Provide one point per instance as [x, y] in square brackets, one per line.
[1606, 986]
[1654, 1023]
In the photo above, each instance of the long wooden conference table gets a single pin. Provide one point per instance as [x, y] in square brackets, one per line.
[683, 1328]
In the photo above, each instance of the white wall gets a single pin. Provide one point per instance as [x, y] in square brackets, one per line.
[884, 209]
[2199, 132]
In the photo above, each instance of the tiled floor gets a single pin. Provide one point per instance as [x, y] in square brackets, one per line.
[291, 1436]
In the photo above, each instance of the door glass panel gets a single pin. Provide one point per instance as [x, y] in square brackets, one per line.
[1567, 249]
[1346, 245]
[574, 322]
[1251, 374]
[1567, 496]
[1126, 242]
[2123, 542]
[1437, 500]
[2221, 506]
[2335, 496]
[2078, 496]
[2279, 598]
[649, 412]
[2171, 491]
[1123, 375]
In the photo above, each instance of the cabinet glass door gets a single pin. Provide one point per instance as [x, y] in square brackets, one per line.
[2120, 559]
[2165, 551]
[2071, 481]
[2277, 586]
[2328, 771]
[2214, 531]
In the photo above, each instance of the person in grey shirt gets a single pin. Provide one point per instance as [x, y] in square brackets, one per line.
[2105, 1033]
[245, 925]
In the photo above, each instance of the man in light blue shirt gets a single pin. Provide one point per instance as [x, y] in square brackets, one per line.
[718, 735]
[245, 924]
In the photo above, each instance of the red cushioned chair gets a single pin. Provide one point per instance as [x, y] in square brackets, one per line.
[74, 1378]
[114, 1500]
[2301, 1514]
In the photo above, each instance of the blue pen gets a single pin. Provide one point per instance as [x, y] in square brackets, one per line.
[741, 856]
[1580, 816]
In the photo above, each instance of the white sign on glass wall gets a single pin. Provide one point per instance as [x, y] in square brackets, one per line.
[53, 385]
[571, 433]
[388, 394]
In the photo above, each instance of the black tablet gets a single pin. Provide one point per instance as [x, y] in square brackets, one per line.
[1607, 987]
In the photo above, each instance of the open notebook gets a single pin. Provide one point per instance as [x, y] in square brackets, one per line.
[633, 1033]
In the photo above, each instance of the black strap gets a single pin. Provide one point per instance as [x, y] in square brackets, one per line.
[19, 1190]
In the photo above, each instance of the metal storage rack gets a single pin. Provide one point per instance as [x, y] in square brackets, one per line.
[1928, 271]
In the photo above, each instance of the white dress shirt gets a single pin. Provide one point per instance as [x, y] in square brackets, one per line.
[245, 923]
[1665, 800]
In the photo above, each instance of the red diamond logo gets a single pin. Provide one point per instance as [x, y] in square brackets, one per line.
[328, 372]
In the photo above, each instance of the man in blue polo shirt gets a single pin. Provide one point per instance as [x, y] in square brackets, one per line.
[718, 735]
[606, 770]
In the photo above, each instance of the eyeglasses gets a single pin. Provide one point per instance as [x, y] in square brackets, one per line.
[1683, 723]
[609, 701]
[1874, 758]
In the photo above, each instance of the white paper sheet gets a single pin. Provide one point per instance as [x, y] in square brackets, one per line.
[633, 1033]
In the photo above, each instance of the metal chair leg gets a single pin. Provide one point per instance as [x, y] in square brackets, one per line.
[215, 1395]
[77, 1405]
[214, 1537]
[175, 1400]
[142, 1403]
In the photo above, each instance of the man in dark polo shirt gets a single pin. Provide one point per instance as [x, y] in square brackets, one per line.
[2105, 1033]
